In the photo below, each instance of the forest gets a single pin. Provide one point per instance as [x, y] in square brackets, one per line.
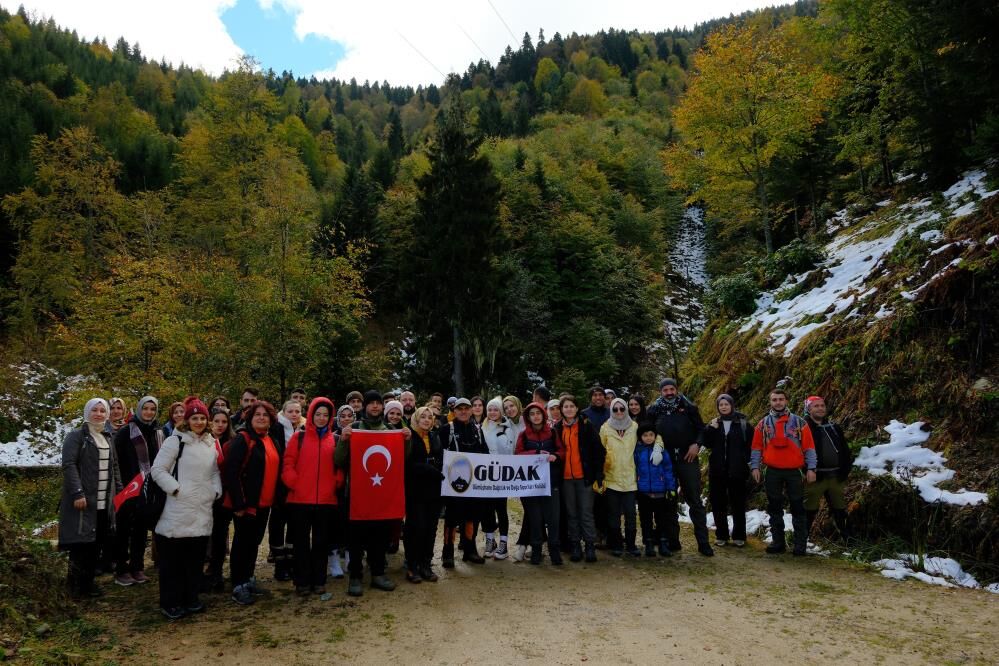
[164, 231]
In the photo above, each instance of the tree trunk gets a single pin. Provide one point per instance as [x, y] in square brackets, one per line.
[459, 380]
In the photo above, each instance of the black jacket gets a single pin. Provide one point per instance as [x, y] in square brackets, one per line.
[423, 469]
[680, 429]
[128, 460]
[591, 451]
[242, 477]
[464, 437]
[831, 435]
[729, 453]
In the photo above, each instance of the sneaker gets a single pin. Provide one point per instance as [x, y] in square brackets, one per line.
[382, 583]
[125, 580]
[705, 549]
[333, 565]
[739, 543]
[721, 542]
[776, 549]
[172, 613]
[501, 551]
[634, 551]
[196, 607]
[490, 547]
[241, 595]
[519, 553]
[355, 587]
[664, 549]
[413, 576]
[255, 588]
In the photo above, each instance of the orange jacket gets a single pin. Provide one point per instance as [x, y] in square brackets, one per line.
[780, 451]
[308, 470]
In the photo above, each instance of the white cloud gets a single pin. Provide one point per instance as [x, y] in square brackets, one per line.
[374, 32]
[188, 31]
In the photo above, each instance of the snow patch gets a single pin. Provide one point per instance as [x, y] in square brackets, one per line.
[935, 570]
[904, 458]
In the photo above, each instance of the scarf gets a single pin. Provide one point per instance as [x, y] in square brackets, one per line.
[620, 423]
[668, 406]
[140, 445]
[792, 426]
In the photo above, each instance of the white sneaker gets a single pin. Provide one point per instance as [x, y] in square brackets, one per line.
[336, 571]
[738, 543]
[490, 546]
[721, 542]
[519, 552]
[501, 551]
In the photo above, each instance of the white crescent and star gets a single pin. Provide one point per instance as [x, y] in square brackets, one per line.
[377, 449]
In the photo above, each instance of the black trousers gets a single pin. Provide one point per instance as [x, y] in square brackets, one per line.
[247, 535]
[726, 495]
[422, 515]
[653, 513]
[339, 525]
[310, 532]
[371, 537]
[619, 503]
[130, 540]
[181, 561]
[543, 512]
[688, 474]
[83, 557]
[496, 516]
[279, 528]
[219, 546]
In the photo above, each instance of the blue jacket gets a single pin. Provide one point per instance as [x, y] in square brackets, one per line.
[653, 478]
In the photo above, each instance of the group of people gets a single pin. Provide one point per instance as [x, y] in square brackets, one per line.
[255, 471]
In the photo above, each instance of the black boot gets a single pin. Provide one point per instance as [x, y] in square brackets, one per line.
[590, 553]
[555, 554]
[535, 553]
[650, 549]
[447, 554]
[577, 553]
[629, 540]
[471, 554]
[664, 548]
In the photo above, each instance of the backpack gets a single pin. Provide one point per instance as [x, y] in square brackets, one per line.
[152, 498]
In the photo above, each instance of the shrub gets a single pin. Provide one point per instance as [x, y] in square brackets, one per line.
[795, 257]
[732, 295]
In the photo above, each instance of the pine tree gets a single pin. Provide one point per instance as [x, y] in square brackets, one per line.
[393, 134]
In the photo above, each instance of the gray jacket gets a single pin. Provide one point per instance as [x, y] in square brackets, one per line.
[80, 470]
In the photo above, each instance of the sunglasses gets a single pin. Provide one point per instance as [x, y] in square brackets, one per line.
[618, 409]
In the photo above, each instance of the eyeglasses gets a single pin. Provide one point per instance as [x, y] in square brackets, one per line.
[618, 410]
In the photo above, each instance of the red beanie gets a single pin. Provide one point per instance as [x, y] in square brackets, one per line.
[809, 400]
[194, 406]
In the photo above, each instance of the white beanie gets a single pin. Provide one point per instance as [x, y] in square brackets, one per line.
[553, 403]
[393, 404]
[496, 402]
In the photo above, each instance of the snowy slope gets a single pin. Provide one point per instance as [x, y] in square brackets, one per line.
[854, 255]
[686, 280]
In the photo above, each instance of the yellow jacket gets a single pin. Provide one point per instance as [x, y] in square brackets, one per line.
[619, 465]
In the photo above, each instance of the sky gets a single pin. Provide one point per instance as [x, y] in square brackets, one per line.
[379, 40]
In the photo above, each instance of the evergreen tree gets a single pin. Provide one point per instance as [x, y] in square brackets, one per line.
[393, 134]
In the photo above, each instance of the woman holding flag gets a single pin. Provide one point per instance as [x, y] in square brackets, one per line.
[423, 496]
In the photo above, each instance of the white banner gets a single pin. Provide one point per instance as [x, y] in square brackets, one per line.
[484, 475]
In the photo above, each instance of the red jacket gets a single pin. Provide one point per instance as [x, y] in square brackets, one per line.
[546, 440]
[779, 451]
[309, 473]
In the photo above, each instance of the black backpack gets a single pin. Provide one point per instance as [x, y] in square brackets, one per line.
[152, 498]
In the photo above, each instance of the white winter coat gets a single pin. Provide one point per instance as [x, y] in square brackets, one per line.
[198, 485]
[501, 437]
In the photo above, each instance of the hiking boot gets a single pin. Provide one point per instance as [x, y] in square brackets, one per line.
[140, 577]
[664, 549]
[470, 554]
[535, 555]
[705, 549]
[650, 549]
[555, 554]
[490, 546]
[413, 576]
[447, 556]
[591, 553]
[501, 551]
[355, 587]
[776, 548]
[125, 580]
[241, 595]
[196, 607]
[282, 570]
[799, 551]
[427, 574]
[577, 553]
[172, 614]
[255, 588]
[519, 553]
[333, 565]
[382, 583]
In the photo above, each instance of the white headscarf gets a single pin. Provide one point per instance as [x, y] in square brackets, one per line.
[89, 407]
[622, 422]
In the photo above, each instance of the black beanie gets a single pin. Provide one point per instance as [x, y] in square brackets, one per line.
[669, 381]
[371, 396]
[644, 428]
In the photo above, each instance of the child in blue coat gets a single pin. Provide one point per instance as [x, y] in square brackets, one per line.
[656, 489]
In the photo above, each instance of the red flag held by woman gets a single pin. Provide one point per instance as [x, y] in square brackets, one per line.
[377, 463]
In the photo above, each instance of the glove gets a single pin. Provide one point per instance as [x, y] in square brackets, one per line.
[656, 457]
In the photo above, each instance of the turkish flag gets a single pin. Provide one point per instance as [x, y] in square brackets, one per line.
[129, 491]
[377, 475]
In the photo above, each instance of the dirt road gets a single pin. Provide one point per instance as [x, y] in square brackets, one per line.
[740, 607]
